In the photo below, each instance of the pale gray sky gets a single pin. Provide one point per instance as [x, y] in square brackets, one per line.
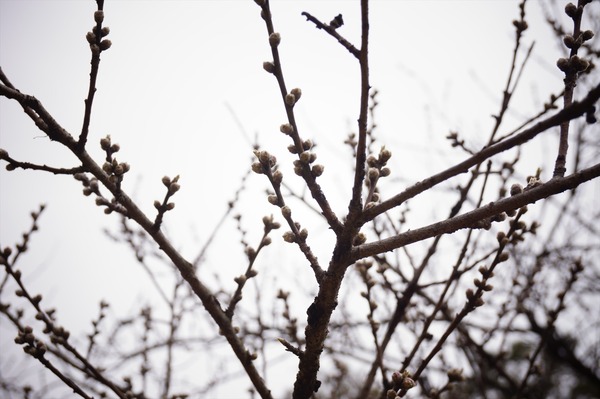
[166, 89]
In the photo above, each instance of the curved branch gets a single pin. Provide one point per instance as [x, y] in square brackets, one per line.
[470, 219]
[329, 29]
[576, 110]
[56, 132]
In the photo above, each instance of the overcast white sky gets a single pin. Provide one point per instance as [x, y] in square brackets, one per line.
[169, 84]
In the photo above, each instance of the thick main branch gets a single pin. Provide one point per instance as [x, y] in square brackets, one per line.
[555, 186]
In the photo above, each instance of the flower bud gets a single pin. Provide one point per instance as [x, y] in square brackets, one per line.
[587, 35]
[384, 155]
[570, 10]
[371, 161]
[317, 170]
[290, 99]
[579, 64]
[263, 157]
[569, 41]
[360, 239]
[286, 128]
[90, 37]
[298, 93]
[105, 44]
[173, 188]
[408, 383]
[305, 157]
[99, 16]
[516, 189]
[520, 25]
[288, 236]
[563, 64]
[277, 177]
[257, 168]
[105, 143]
[274, 39]
[269, 66]
[373, 174]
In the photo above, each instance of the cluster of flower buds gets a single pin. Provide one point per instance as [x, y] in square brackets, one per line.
[575, 43]
[172, 186]
[474, 298]
[91, 186]
[242, 278]
[574, 11]
[520, 25]
[306, 157]
[266, 164]
[574, 64]
[270, 224]
[486, 223]
[115, 170]
[291, 237]
[108, 147]
[33, 346]
[376, 168]
[112, 167]
[402, 381]
[95, 37]
[293, 96]
[454, 139]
